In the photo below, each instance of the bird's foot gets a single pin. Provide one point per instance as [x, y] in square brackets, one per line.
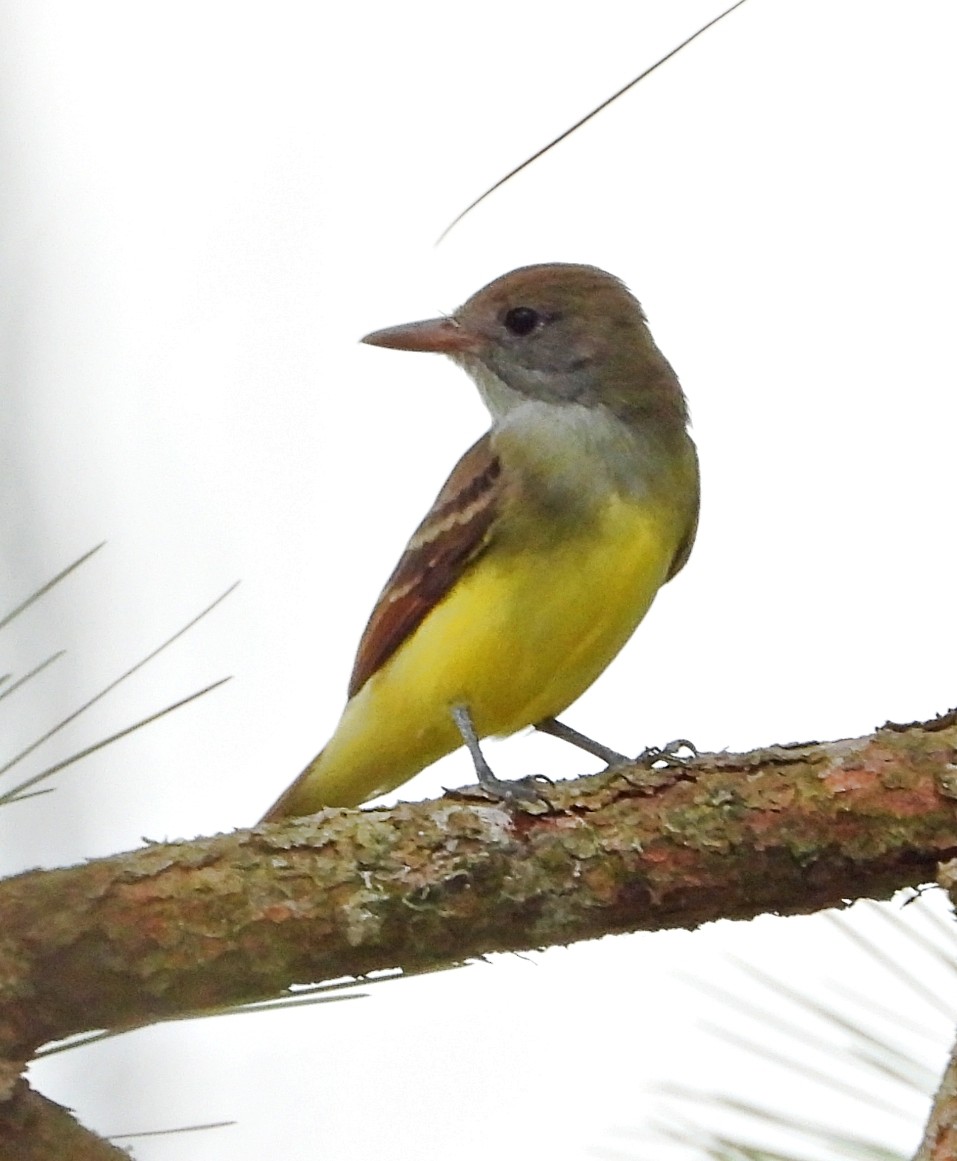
[520, 791]
[680, 752]
[511, 791]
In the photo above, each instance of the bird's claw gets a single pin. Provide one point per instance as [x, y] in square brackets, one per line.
[680, 752]
[512, 791]
[518, 790]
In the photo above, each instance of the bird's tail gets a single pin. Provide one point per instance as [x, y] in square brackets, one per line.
[290, 803]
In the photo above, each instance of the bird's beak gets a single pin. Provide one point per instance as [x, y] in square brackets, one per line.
[442, 335]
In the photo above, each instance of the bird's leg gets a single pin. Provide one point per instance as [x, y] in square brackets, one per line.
[519, 790]
[463, 722]
[558, 729]
[680, 752]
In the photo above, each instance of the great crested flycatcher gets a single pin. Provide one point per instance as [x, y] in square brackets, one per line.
[543, 550]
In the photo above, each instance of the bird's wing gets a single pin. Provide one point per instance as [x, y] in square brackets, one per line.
[684, 549]
[690, 489]
[452, 535]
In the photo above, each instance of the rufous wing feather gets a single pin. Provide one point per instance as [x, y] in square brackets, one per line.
[448, 540]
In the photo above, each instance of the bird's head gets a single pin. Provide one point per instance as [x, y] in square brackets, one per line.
[559, 333]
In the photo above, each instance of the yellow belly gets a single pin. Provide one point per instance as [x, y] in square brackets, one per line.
[518, 639]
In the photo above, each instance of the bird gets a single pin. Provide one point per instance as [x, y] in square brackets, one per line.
[543, 550]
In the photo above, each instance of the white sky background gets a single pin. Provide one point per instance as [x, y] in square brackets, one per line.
[203, 206]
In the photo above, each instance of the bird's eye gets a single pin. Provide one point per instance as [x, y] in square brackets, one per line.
[521, 320]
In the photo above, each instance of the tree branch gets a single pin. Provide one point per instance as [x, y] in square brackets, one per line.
[181, 927]
[33, 1128]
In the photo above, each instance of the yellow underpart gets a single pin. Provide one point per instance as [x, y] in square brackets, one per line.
[519, 638]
